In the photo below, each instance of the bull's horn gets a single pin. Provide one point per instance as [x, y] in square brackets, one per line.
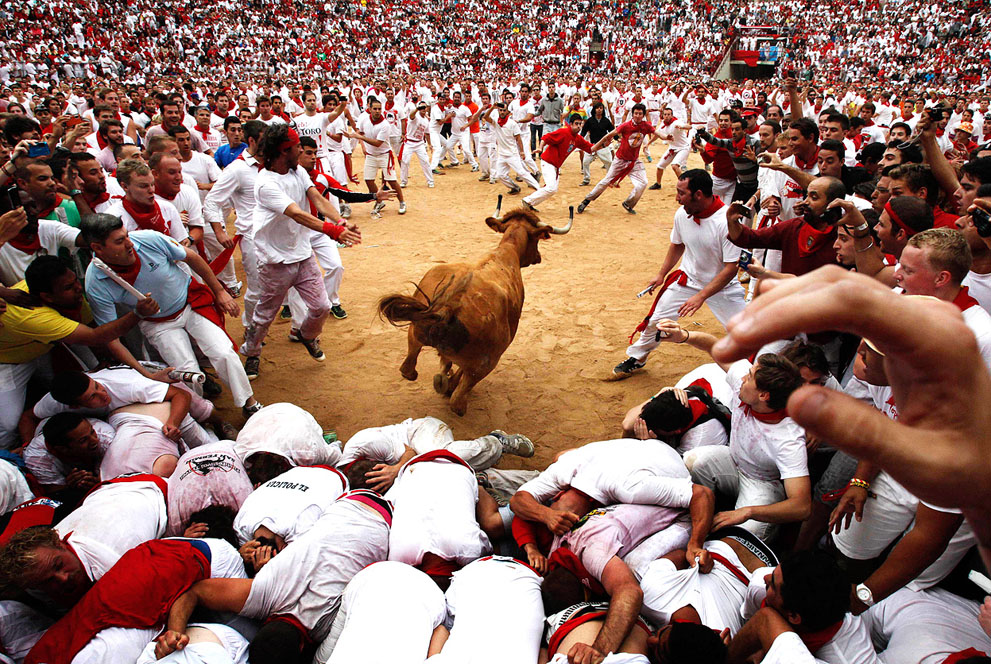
[561, 230]
[498, 207]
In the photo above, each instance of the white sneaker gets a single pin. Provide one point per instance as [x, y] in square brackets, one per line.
[403, 184]
[430, 185]
[346, 211]
[379, 206]
[402, 208]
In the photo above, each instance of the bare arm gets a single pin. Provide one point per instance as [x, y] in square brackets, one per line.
[625, 602]
[795, 507]
[941, 167]
[525, 506]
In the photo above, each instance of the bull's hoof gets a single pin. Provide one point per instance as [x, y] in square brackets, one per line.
[441, 383]
[409, 375]
[459, 409]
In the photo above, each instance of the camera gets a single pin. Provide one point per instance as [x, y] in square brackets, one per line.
[39, 149]
[937, 113]
[10, 199]
[982, 222]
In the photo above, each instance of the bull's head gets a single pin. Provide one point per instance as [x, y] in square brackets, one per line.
[525, 221]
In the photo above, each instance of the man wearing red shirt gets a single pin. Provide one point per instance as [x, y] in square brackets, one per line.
[723, 170]
[557, 146]
[627, 161]
[805, 242]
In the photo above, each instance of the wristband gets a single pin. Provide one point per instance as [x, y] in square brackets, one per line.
[866, 486]
[331, 229]
[868, 247]
[861, 227]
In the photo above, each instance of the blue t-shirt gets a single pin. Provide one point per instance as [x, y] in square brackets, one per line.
[159, 275]
[224, 155]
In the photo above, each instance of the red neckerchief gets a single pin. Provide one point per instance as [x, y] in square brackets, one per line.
[964, 301]
[42, 214]
[129, 273]
[963, 655]
[20, 243]
[206, 133]
[806, 165]
[810, 240]
[669, 122]
[502, 121]
[93, 201]
[147, 217]
[816, 640]
[389, 105]
[375, 122]
[713, 207]
[773, 417]
[101, 141]
[738, 148]
[47, 129]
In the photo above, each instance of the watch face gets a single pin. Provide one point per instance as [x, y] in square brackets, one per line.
[864, 595]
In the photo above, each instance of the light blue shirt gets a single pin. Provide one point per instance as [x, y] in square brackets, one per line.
[159, 275]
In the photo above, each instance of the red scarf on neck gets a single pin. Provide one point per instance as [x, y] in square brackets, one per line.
[101, 141]
[806, 165]
[147, 217]
[773, 417]
[502, 121]
[710, 210]
[22, 242]
[93, 201]
[205, 132]
[810, 240]
[130, 272]
[964, 301]
[42, 214]
[816, 640]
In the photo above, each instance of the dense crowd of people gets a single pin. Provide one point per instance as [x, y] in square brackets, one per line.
[817, 492]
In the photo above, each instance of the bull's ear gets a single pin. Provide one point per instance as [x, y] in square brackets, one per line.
[498, 225]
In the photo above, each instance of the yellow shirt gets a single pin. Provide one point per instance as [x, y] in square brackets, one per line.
[27, 334]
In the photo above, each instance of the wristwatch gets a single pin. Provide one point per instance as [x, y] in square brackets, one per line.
[865, 595]
[75, 192]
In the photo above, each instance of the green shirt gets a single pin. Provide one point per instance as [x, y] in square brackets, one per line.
[66, 212]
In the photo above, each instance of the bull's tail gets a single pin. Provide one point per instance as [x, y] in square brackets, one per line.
[436, 319]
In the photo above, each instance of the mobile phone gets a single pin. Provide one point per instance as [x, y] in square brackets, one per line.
[10, 199]
[746, 258]
[745, 211]
[982, 221]
[832, 215]
[72, 123]
[39, 149]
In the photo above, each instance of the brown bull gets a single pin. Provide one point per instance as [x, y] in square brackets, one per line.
[470, 313]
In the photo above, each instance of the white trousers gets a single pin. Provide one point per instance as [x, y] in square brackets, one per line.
[604, 155]
[713, 467]
[494, 591]
[551, 177]
[723, 188]
[334, 165]
[487, 158]
[329, 260]
[513, 162]
[886, 517]
[406, 154]
[724, 305]
[213, 248]
[249, 262]
[466, 147]
[172, 339]
[441, 147]
[13, 392]
[638, 177]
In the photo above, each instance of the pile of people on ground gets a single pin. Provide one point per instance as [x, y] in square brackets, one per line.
[817, 492]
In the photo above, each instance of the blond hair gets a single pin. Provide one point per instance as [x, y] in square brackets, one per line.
[946, 250]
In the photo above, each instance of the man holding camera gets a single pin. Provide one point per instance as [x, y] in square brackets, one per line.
[806, 242]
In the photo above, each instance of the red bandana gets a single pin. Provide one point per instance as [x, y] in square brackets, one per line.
[205, 132]
[93, 201]
[129, 273]
[147, 217]
[816, 640]
[807, 165]
[909, 231]
[773, 417]
[22, 243]
[712, 208]
[810, 240]
[101, 141]
[502, 121]
[43, 214]
[964, 301]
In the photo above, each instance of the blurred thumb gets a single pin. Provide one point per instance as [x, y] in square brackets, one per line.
[857, 428]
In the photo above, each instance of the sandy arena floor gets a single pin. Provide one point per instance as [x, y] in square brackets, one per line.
[580, 309]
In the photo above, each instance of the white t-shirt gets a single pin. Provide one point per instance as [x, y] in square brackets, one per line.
[124, 386]
[278, 238]
[460, 122]
[14, 488]
[505, 137]
[291, 503]
[416, 129]
[435, 513]
[52, 235]
[232, 649]
[203, 169]
[314, 127]
[520, 109]
[979, 287]
[707, 247]
[979, 322]
[618, 471]
[378, 131]
[308, 577]
[763, 450]
[188, 201]
[210, 474]
[111, 521]
[395, 115]
[385, 598]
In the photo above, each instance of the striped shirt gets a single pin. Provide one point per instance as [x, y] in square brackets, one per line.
[746, 170]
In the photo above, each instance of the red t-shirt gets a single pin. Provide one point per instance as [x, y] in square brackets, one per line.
[560, 144]
[803, 249]
[632, 135]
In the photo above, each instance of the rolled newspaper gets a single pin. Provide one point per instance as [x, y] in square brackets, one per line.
[107, 270]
